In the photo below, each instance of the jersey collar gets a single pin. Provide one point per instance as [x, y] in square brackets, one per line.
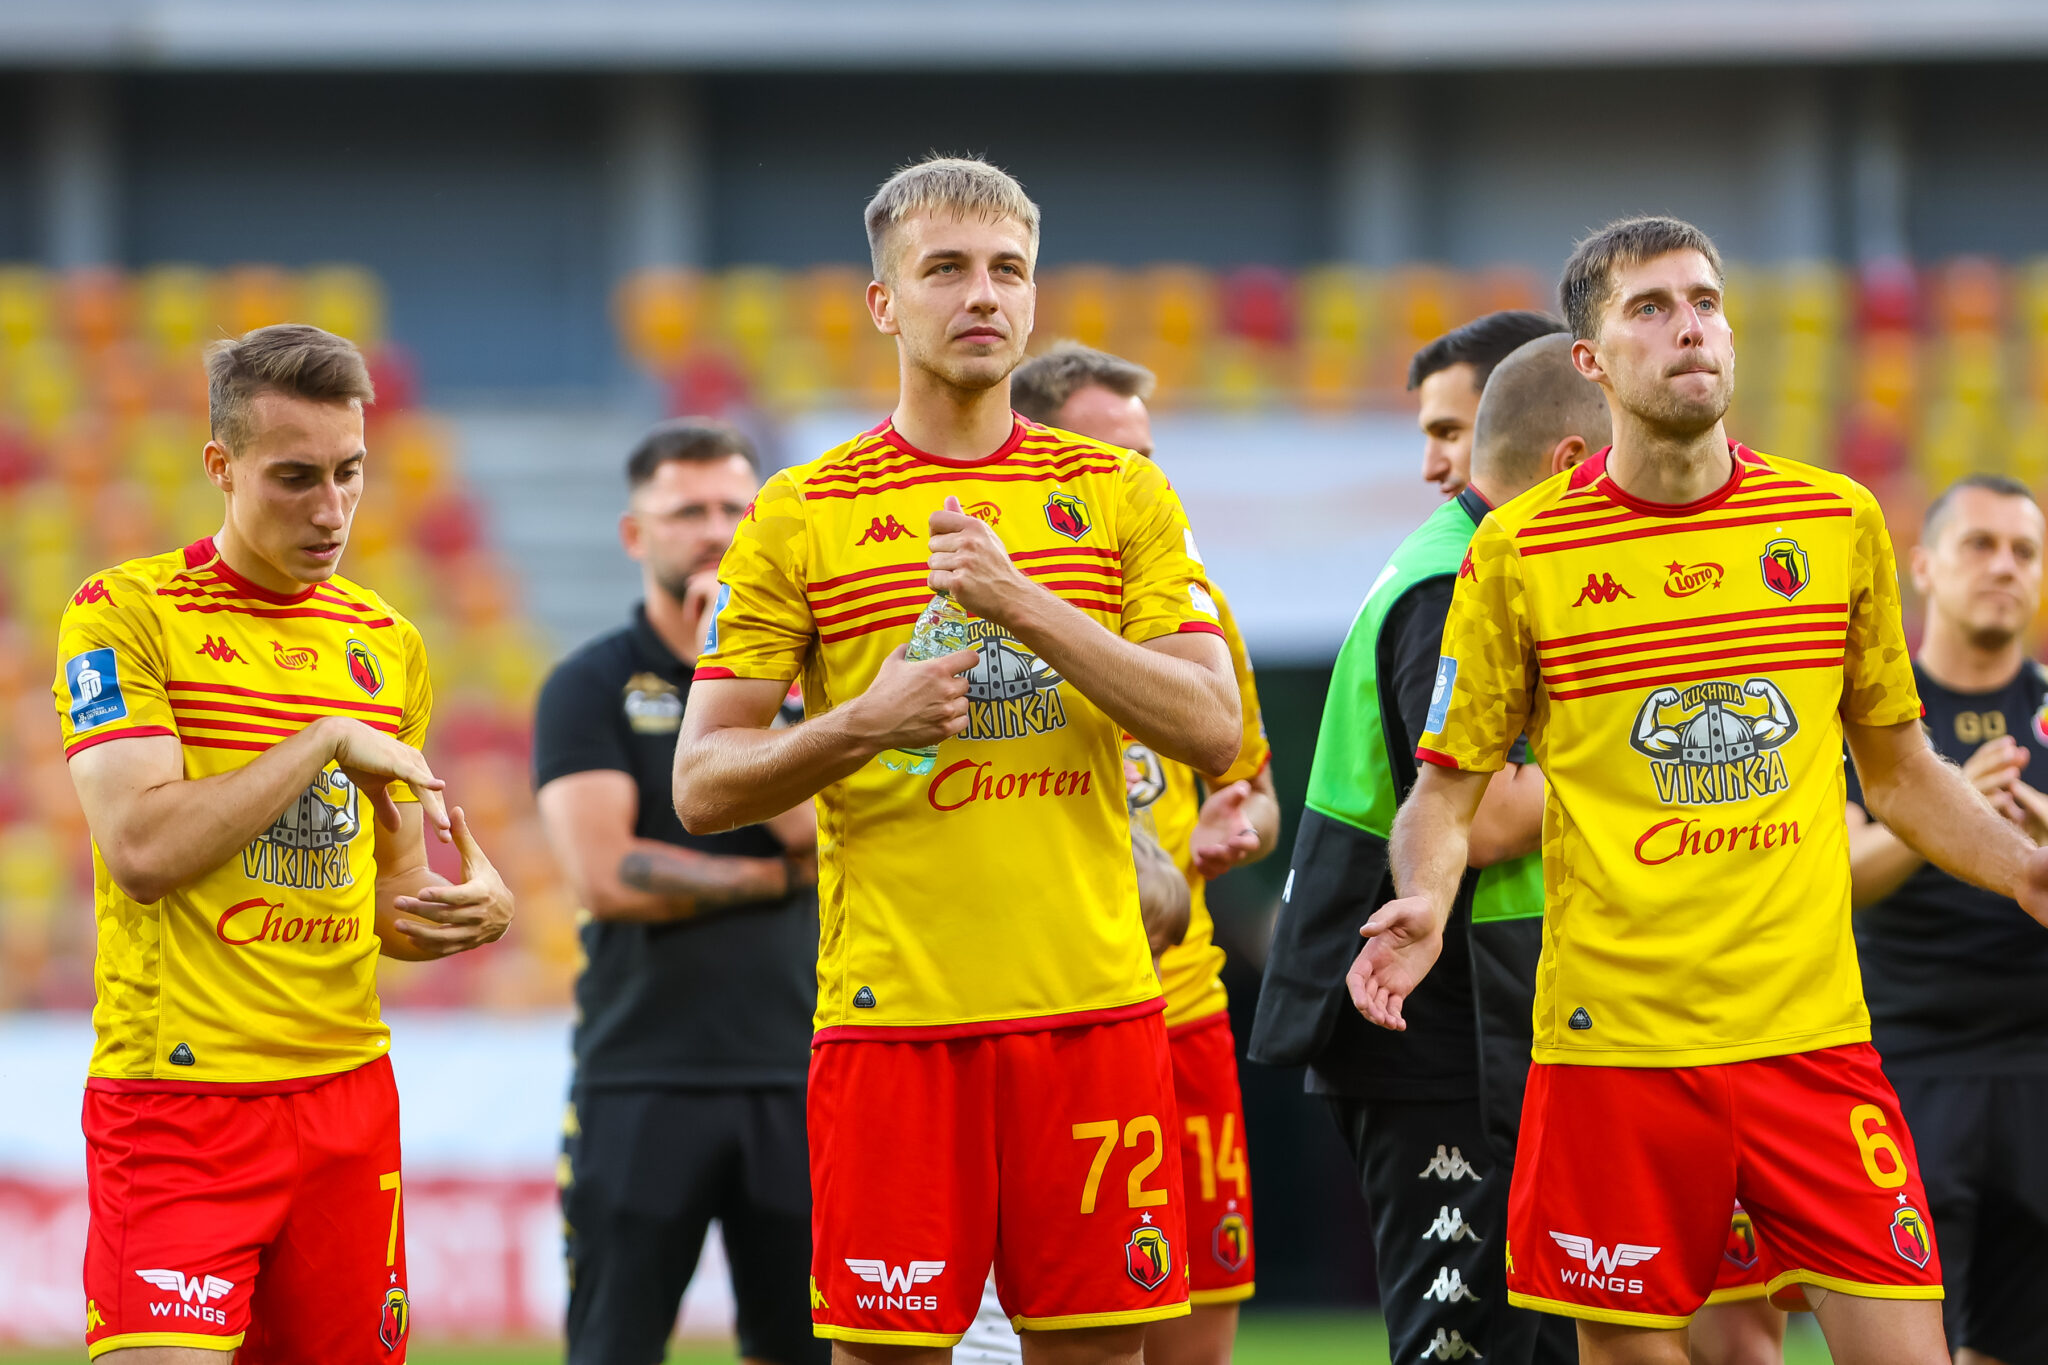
[204, 552]
[1473, 503]
[1018, 427]
[1592, 473]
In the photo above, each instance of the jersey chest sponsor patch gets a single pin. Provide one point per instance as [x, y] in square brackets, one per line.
[94, 678]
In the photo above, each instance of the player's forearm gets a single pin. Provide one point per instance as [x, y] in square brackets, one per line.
[1173, 706]
[1879, 863]
[1429, 844]
[1262, 813]
[176, 832]
[391, 942]
[743, 776]
[662, 883]
[1935, 812]
[1509, 821]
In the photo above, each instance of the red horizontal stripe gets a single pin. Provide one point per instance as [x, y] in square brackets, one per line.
[1668, 528]
[1040, 1023]
[1069, 551]
[1080, 585]
[191, 723]
[960, 476]
[712, 673]
[1769, 632]
[285, 613]
[872, 626]
[1738, 503]
[1092, 605]
[226, 690]
[916, 565]
[1693, 624]
[1442, 760]
[79, 746]
[885, 469]
[1112, 572]
[922, 578]
[1590, 495]
[1198, 628]
[196, 742]
[1697, 675]
[1690, 657]
[885, 605]
[193, 710]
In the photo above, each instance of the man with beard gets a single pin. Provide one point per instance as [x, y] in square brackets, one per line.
[1687, 631]
[692, 1012]
[1448, 375]
[990, 1079]
[1958, 977]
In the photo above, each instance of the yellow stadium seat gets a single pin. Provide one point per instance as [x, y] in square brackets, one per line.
[252, 296]
[660, 316]
[176, 310]
[27, 306]
[346, 300]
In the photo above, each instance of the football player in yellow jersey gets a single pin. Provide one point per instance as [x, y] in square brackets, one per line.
[1687, 630]
[243, 727]
[1208, 824]
[990, 1078]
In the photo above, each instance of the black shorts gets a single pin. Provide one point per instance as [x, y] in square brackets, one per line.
[647, 1171]
[1438, 1195]
[1986, 1174]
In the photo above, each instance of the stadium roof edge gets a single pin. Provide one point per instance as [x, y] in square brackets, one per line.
[1068, 34]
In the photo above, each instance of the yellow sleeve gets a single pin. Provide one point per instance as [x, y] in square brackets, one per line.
[761, 626]
[1877, 684]
[111, 664]
[1486, 674]
[1166, 590]
[1253, 753]
[419, 701]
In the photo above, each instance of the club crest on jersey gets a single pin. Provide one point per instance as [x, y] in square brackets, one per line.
[1011, 692]
[307, 848]
[364, 670]
[1147, 1257]
[393, 1318]
[1144, 775]
[1716, 741]
[1785, 568]
[1067, 514]
[1909, 1235]
[1231, 1241]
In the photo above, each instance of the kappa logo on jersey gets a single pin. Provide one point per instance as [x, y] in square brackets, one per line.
[1683, 580]
[220, 651]
[195, 1296]
[1450, 1287]
[1144, 775]
[1449, 1165]
[1067, 515]
[1741, 1249]
[1231, 1241]
[1723, 746]
[393, 1318]
[94, 678]
[1465, 569]
[307, 848]
[1147, 1256]
[1601, 589]
[882, 530]
[1602, 1262]
[1785, 568]
[896, 1281]
[1011, 692]
[1449, 1345]
[364, 669]
[1450, 1226]
[985, 512]
[91, 594]
[296, 659]
[1909, 1235]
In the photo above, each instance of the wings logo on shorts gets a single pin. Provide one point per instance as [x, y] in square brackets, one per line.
[190, 1288]
[1603, 1260]
[894, 1279]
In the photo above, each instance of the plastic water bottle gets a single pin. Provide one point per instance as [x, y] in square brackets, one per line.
[941, 629]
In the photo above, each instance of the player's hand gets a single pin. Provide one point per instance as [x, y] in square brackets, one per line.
[1402, 941]
[453, 919]
[969, 562]
[2031, 810]
[2033, 889]
[1223, 837]
[698, 594]
[372, 760]
[911, 705]
[1994, 770]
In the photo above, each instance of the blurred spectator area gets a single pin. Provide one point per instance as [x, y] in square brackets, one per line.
[102, 419]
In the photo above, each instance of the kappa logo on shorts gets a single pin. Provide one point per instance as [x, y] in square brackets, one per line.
[195, 1296]
[1909, 1235]
[1450, 1226]
[1602, 1262]
[393, 1318]
[1450, 1287]
[1450, 1346]
[1448, 1165]
[894, 1281]
[1147, 1256]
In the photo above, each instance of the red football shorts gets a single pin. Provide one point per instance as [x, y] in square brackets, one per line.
[1212, 1160]
[1049, 1154]
[271, 1222]
[1619, 1211]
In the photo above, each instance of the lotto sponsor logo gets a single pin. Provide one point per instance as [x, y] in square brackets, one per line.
[967, 781]
[257, 920]
[1683, 580]
[91, 593]
[220, 651]
[195, 1295]
[1450, 1226]
[1448, 1165]
[295, 659]
[1602, 1263]
[1449, 1345]
[986, 512]
[882, 530]
[1685, 837]
[1722, 745]
[1450, 1287]
[1601, 589]
[896, 1281]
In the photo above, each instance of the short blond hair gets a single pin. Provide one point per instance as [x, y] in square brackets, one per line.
[290, 358]
[961, 185]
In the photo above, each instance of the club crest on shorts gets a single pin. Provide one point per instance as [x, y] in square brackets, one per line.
[1147, 1256]
[1741, 1249]
[1066, 514]
[1785, 568]
[1231, 1242]
[1909, 1235]
[394, 1319]
[364, 669]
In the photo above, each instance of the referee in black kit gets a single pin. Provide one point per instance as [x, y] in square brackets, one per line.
[693, 1012]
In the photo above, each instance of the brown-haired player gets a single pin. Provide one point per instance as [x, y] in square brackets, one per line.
[1687, 631]
[990, 1079]
[243, 727]
[1208, 823]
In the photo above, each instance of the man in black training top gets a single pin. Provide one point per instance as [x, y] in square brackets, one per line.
[1956, 977]
[693, 1013]
[1431, 1114]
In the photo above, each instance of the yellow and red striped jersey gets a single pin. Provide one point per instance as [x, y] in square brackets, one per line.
[996, 892]
[263, 971]
[1683, 674]
[1168, 796]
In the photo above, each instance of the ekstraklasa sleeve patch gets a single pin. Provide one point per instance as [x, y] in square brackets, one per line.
[1440, 695]
[95, 681]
